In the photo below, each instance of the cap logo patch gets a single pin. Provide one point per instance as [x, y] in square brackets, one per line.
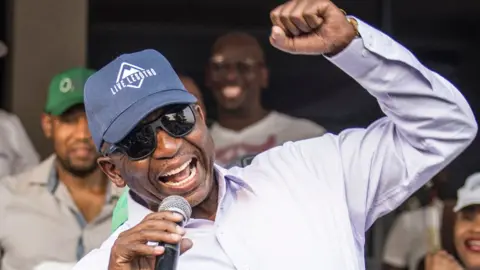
[66, 85]
[131, 76]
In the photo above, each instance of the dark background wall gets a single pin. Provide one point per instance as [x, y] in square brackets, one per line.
[3, 37]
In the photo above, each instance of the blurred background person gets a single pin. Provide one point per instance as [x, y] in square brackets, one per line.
[17, 152]
[417, 232]
[61, 209]
[466, 233]
[237, 74]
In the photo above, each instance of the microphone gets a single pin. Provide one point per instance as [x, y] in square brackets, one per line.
[168, 260]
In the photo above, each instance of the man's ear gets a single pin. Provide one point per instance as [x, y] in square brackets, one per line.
[47, 125]
[200, 113]
[109, 168]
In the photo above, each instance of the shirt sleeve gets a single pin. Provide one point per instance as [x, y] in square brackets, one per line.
[309, 129]
[398, 243]
[7, 153]
[26, 154]
[5, 165]
[428, 123]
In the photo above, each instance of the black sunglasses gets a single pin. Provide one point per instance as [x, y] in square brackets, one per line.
[177, 121]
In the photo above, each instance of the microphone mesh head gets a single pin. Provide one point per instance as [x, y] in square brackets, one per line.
[176, 204]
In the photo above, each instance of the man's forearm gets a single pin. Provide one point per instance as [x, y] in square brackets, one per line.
[427, 110]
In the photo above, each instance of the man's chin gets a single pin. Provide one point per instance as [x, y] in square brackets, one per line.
[82, 169]
[232, 105]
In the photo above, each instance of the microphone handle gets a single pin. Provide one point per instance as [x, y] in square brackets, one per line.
[168, 260]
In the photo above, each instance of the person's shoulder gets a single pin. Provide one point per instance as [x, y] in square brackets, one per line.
[9, 120]
[6, 115]
[22, 181]
[299, 125]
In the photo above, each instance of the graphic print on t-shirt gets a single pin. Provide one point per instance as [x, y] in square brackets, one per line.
[230, 153]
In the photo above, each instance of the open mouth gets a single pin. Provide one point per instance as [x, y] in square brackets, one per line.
[473, 245]
[181, 177]
[231, 92]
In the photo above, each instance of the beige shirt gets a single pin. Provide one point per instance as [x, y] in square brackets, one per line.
[40, 222]
[17, 153]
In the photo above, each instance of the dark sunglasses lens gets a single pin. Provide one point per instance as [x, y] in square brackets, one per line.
[139, 143]
[179, 122]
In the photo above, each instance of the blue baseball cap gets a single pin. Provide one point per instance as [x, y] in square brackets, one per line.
[121, 94]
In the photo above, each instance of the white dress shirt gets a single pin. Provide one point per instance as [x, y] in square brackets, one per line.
[307, 204]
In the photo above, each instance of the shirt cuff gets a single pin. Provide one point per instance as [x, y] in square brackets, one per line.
[366, 52]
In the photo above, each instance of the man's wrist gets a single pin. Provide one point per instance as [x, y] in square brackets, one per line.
[350, 36]
[354, 23]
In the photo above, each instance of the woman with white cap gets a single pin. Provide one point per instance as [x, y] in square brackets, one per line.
[466, 232]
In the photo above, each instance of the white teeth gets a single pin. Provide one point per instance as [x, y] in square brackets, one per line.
[474, 242]
[193, 171]
[177, 170]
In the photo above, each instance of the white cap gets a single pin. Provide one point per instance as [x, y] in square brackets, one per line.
[3, 49]
[469, 194]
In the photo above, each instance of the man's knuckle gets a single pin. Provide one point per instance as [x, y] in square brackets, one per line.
[295, 17]
[147, 224]
[273, 15]
[118, 248]
[143, 233]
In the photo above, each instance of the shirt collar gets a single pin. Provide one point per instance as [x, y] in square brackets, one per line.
[113, 193]
[53, 181]
[226, 181]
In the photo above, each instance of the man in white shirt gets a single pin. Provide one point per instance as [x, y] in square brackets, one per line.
[17, 152]
[237, 74]
[304, 205]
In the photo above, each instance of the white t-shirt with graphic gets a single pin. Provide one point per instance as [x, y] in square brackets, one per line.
[273, 130]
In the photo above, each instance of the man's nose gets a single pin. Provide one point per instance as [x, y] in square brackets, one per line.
[167, 146]
[476, 223]
[231, 73]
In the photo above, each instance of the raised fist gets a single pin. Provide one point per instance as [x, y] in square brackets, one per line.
[310, 27]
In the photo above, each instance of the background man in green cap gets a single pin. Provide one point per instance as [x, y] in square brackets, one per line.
[61, 209]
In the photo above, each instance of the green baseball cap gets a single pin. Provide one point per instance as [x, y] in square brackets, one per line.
[66, 90]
